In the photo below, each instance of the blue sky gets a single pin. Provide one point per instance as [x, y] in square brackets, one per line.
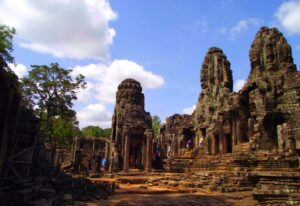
[160, 43]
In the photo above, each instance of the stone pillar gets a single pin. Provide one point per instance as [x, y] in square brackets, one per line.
[280, 138]
[111, 157]
[214, 149]
[288, 138]
[126, 150]
[233, 128]
[149, 135]
[222, 139]
[238, 132]
[176, 145]
[144, 148]
[251, 122]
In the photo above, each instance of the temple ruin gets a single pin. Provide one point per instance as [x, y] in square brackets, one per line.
[175, 134]
[262, 116]
[87, 155]
[245, 141]
[256, 129]
[131, 142]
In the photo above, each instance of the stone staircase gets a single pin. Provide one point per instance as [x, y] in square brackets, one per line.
[283, 188]
[241, 148]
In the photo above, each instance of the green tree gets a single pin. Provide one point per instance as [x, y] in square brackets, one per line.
[156, 123]
[6, 48]
[51, 90]
[95, 131]
[107, 132]
[92, 131]
[6, 45]
[63, 130]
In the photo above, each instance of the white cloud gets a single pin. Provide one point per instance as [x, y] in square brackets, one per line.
[239, 85]
[19, 69]
[85, 95]
[94, 114]
[222, 30]
[201, 25]
[243, 25]
[77, 29]
[288, 15]
[106, 78]
[189, 110]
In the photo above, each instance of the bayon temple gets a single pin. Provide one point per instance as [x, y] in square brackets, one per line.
[232, 142]
[261, 118]
[130, 145]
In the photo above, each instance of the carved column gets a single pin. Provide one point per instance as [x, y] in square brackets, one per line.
[126, 150]
[222, 140]
[238, 132]
[214, 145]
[234, 139]
[280, 138]
[112, 160]
[250, 127]
[144, 156]
[288, 138]
[149, 136]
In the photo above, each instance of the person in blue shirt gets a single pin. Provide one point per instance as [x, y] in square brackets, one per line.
[103, 164]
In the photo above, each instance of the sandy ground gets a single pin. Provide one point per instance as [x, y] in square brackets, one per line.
[137, 195]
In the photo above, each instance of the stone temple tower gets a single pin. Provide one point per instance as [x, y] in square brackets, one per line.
[131, 141]
[216, 83]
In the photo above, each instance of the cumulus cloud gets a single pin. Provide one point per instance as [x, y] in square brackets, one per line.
[189, 110]
[77, 29]
[288, 15]
[102, 82]
[239, 85]
[19, 69]
[104, 79]
[243, 25]
[94, 114]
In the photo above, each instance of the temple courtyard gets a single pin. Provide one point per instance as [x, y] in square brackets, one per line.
[155, 189]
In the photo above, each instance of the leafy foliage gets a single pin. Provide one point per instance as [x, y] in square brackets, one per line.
[156, 123]
[6, 45]
[63, 130]
[95, 131]
[51, 90]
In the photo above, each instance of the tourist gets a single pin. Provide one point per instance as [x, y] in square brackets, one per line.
[201, 142]
[103, 164]
[168, 150]
[189, 144]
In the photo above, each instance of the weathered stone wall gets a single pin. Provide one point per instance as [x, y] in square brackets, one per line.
[174, 135]
[18, 130]
[262, 118]
[87, 155]
[131, 141]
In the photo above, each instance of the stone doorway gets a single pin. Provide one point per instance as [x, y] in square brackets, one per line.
[187, 135]
[215, 145]
[228, 143]
[135, 151]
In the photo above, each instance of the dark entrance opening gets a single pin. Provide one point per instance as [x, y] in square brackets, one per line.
[209, 146]
[228, 143]
[188, 137]
[270, 123]
[135, 151]
[203, 130]
[216, 145]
